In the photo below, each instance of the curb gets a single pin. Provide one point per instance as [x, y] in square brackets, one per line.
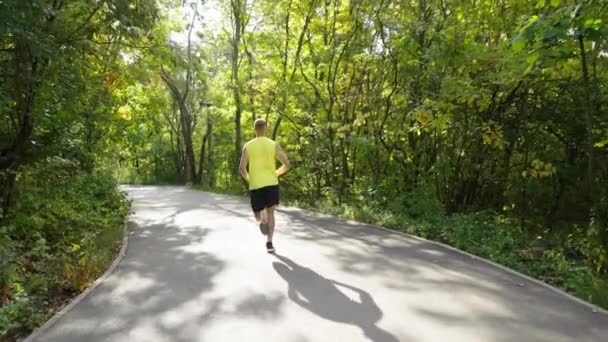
[46, 326]
[594, 308]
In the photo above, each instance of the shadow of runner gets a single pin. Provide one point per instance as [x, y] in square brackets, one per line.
[323, 297]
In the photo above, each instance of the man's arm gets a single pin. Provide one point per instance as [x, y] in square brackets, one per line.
[243, 165]
[284, 160]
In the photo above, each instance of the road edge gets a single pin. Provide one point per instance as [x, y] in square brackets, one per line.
[48, 324]
[592, 307]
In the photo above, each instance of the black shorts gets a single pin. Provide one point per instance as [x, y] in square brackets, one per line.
[265, 197]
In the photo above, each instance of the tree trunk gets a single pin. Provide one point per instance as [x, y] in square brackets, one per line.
[204, 144]
[25, 87]
[201, 162]
[185, 119]
[236, 89]
[210, 164]
[187, 133]
[180, 148]
[588, 109]
[250, 80]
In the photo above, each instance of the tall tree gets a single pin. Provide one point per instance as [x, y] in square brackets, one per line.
[44, 41]
[181, 97]
[237, 8]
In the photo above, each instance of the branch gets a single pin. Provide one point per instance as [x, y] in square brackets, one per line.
[169, 82]
[286, 51]
[141, 47]
[332, 83]
[316, 90]
[301, 40]
[189, 71]
[170, 121]
[82, 26]
[283, 115]
[510, 97]
[248, 16]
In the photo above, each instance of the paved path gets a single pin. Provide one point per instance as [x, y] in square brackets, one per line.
[196, 270]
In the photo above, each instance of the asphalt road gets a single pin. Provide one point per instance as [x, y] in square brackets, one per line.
[196, 270]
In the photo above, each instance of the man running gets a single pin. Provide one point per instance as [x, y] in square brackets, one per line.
[263, 178]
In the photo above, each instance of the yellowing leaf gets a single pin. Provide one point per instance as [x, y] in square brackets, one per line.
[124, 112]
[487, 138]
[424, 118]
[602, 143]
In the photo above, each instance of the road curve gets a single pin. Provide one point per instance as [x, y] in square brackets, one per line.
[196, 270]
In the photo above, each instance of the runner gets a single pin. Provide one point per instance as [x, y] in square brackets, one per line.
[263, 178]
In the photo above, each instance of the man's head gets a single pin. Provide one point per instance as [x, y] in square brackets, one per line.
[260, 127]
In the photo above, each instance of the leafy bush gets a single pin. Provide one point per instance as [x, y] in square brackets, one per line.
[60, 236]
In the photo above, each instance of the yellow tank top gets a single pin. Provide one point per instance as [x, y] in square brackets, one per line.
[261, 153]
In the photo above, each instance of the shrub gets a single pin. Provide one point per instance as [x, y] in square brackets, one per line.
[59, 237]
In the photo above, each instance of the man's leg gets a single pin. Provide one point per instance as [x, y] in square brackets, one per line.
[271, 204]
[270, 212]
[256, 214]
[269, 245]
[257, 205]
[261, 218]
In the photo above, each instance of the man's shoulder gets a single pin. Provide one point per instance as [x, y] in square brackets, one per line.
[264, 140]
[248, 143]
[261, 140]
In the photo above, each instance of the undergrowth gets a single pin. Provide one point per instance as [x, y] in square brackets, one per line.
[63, 232]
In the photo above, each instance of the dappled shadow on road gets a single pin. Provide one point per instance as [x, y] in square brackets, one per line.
[162, 289]
[167, 287]
[323, 297]
[261, 306]
[462, 292]
[169, 202]
[155, 292]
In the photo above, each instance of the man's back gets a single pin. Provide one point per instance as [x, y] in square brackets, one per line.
[261, 153]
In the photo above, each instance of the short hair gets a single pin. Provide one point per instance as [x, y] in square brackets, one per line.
[259, 124]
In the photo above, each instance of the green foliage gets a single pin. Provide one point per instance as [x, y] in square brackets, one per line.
[66, 228]
[480, 126]
[62, 76]
[20, 314]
